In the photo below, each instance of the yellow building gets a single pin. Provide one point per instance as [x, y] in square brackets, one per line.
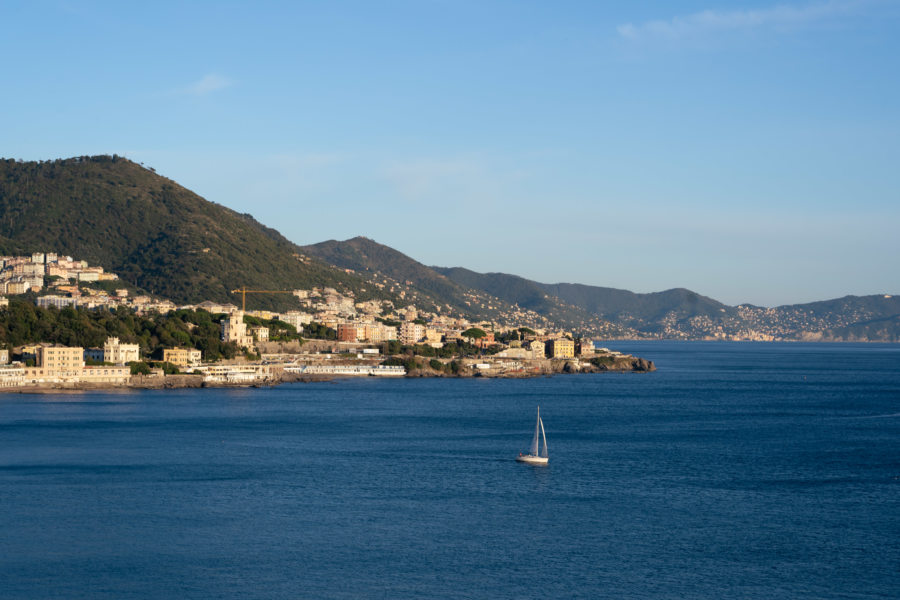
[59, 358]
[61, 364]
[182, 357]
[561, 348]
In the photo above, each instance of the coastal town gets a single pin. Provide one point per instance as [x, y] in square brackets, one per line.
[329, 334]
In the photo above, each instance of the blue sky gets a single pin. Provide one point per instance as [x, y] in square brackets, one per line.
[745, 150]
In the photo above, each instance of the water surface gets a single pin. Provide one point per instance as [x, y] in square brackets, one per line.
[735, 470]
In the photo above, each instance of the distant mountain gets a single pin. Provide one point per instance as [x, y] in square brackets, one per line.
[164, 238]
[683, 314]
[152, 232]
[534, 296]
[644, 312]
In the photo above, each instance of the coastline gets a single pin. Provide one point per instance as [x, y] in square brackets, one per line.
[545, 368]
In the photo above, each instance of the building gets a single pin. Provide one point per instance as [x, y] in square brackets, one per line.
[296, 318]
[433, 337]
[411, 333]
[16, 286]
[483, 342]
[61, 364]
[59, 358]
[350, 332]
[377, 333]
[93, 354]
[261, 334]
[91, 275]
[235, 330]
[538, 350]
[12, 376]
[217, 307]
[118, 353]
[182, 357]
[55, 364]
[237, 374]
[561, 348]
[105, 374]
[4, 356]
[56, 301]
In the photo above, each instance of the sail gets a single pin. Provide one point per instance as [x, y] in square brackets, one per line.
[534, 442]
[543, 435]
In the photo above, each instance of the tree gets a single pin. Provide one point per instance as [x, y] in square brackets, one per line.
[474, 333]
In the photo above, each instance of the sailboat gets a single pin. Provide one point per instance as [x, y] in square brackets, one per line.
[533, 457]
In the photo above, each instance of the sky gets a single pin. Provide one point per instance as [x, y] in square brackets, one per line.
[749, 151]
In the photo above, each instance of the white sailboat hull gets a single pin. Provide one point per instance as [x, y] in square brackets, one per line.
[532, 459]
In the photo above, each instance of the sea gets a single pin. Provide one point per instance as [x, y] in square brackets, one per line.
[736, 470]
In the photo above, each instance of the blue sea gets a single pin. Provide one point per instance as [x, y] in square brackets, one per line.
[737, 470]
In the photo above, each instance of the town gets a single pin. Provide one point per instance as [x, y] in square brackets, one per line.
[329, 334]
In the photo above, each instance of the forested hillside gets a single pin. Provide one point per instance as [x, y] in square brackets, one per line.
[152, 232]
[24, 323]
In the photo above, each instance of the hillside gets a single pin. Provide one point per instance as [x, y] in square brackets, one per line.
[160, 237]
[152, 232]
[485, 297]
[369, 257]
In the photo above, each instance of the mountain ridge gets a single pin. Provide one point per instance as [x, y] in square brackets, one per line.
[159, 236]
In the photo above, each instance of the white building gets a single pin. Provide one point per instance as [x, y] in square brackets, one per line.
[57, 301]
[118, 353]
[12, 376]
[296, 318]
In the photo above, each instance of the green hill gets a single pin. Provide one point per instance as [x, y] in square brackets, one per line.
[152, 232]
[368, 256]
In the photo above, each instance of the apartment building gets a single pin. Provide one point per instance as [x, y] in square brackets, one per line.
[351, 332]
[296, 318]
[59, 358]
[561, 348]
[377, 333]
[411, 333]
[182, 357]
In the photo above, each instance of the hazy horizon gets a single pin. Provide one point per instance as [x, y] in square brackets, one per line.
[744, 151]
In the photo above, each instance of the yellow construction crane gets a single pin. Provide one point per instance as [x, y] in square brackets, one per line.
[244, 291]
